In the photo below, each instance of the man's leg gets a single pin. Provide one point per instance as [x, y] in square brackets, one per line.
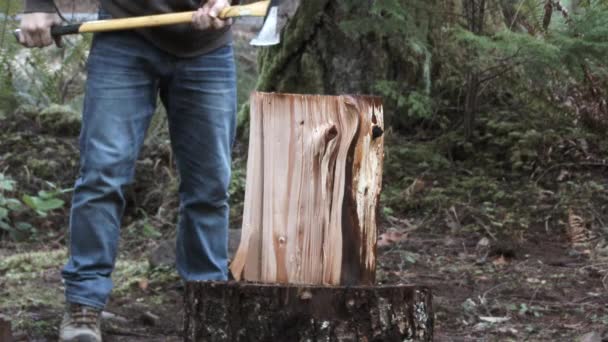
[120, 100]
[201, 103]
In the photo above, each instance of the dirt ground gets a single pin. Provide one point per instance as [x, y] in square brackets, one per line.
[502, 290]
[532, 291]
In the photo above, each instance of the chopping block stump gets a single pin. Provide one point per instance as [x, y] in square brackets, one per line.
[306, 263]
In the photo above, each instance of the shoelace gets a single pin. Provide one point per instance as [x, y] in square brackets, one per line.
[83, 316]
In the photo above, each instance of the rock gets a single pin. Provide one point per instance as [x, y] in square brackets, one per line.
[164, 254]
[106, 315]
[148, 318]
[593, 336]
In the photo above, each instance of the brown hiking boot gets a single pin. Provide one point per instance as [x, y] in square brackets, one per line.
[80, 324]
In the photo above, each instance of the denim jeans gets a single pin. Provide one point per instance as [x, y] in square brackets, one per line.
[125, 74]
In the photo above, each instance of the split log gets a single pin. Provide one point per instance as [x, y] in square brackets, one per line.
[236, 312]
[6, 334]
[314, 176]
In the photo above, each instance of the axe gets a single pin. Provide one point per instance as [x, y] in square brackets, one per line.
[267, 36]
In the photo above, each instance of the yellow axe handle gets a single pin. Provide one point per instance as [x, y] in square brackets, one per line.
[257, 9]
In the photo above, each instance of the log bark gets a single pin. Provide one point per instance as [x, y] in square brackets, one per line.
[264, 312]
[314, 176]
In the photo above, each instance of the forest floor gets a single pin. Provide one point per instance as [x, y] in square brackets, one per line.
[525, 284]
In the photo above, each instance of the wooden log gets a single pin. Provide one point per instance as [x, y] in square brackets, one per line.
[216, 312]
[314, 176]
[6, 334]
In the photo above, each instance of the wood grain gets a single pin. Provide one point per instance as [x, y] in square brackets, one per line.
[314, 176]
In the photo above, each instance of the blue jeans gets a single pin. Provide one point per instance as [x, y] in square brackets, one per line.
[125, 74]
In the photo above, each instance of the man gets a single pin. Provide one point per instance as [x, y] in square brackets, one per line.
[192, 68]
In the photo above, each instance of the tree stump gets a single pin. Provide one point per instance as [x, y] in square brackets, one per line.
[308, 241]
[314, 175]
[291, 313]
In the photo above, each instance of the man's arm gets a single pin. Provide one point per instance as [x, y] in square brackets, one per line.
[36, 22]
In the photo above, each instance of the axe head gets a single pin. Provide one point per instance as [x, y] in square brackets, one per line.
[269, 34]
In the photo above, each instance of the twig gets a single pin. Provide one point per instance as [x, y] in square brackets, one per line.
[521, 4]
[534, 295]
[551, 168]
[485, 227]
[597, 216]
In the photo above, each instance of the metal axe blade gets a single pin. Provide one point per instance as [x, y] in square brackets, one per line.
[269, 34]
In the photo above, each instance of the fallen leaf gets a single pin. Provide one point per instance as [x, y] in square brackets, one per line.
[483, 242]
[500, 261]
[563, 174]
[417, 186]
[143, 284]
[391, 237]
[508, 330]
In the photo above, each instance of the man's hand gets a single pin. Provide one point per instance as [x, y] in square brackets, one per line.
[207, 16]
[36, 29]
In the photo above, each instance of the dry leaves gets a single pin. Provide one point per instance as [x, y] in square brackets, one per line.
[418, 185]
[500, 261]
[391, 237]
[578, 232]
[143, 284]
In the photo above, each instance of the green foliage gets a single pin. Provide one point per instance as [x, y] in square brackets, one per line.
[6, 204]
[8, 49]
[551, 57]
[53, 76]
[42, 77]
[45, 201]
[12, 210]
[9, 206]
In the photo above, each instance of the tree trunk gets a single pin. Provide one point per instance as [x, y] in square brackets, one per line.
[314, 175]
[318, 54]
[254, 312]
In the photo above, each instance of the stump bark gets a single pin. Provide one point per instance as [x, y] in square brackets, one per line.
[314, 175]
[291, 313]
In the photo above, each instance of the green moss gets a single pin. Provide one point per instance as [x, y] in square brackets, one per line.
[60, 119]
[24, 275]
[129, 273]
[36, 326]
[273, 61]
[23, 278]
[32, 262]
[44, 168]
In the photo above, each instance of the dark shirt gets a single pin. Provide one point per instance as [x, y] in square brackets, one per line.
[181, 40]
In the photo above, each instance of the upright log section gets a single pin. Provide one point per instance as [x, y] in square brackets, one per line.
[314, 175]
[305, 266]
